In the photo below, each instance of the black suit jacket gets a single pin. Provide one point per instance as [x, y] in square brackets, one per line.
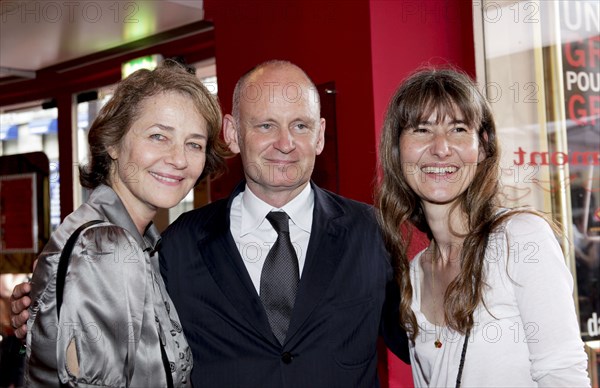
[331, 340]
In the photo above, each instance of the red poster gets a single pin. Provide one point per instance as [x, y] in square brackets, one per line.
[18, 214]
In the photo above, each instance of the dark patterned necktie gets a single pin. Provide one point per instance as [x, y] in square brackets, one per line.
[280, 277]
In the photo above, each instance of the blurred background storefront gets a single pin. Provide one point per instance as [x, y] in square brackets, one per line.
[537, 61]
[541, 70]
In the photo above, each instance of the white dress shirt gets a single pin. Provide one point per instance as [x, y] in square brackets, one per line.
[254, 235]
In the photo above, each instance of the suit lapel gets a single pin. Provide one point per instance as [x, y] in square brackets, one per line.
[223, 261]
[324, 252]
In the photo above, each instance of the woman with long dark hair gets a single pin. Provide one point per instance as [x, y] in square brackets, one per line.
[489, 302]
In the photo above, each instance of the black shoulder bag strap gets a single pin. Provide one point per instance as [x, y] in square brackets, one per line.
[462, 359]
[63, 263]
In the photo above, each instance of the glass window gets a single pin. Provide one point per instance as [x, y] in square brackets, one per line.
[86, 114]
[542, 76]
[29, 130]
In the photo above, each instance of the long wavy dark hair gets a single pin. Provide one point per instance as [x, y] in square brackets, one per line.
[446, 92]
[115, 118]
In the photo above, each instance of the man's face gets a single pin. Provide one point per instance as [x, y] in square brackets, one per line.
[279, 133]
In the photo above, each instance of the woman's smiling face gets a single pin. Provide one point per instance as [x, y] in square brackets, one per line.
[162, 155]
[439, 157]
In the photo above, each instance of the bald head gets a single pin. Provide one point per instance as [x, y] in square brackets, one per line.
[262, 81]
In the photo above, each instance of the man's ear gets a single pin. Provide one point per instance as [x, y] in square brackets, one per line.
[230, 133]
[321, 138]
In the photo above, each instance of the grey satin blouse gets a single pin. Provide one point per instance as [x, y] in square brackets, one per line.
[115, 306]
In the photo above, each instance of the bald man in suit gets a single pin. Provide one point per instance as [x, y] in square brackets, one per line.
[213, 257]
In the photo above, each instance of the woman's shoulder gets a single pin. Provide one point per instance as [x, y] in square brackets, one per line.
[106, 232]
[525, 223]
[94, 233]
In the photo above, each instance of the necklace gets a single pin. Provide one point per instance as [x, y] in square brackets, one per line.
[437, 343]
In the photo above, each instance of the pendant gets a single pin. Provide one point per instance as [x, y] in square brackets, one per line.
[437, 343]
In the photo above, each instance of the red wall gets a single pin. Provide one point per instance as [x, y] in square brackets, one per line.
[330, 40]
[408, 34]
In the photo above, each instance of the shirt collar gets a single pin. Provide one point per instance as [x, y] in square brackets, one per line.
[299, 209]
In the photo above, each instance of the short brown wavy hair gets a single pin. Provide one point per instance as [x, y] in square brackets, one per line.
[116, 117]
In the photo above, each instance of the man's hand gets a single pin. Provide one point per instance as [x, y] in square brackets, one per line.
[19, 302]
